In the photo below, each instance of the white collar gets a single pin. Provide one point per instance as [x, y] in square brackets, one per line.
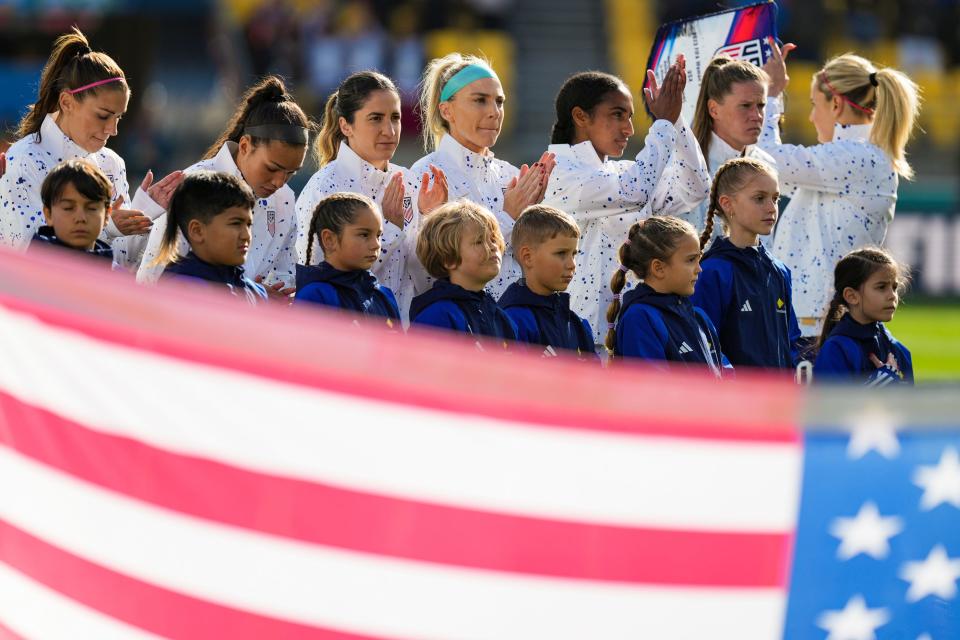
[852, 131]
[356, 165]
[720, 152]
[57, 143]
[224, 161]
[464, 158]
[583, 152]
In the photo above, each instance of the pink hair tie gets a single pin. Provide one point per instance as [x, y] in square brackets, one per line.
[96, 84]
[611, 325]
[627, 241]
[617, 296]
[624, 268]
[826, 81]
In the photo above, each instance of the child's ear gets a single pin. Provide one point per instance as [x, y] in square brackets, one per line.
[525, 256]
[46, 216]
[328, 240]
[851, 297]
[451, 266]
[195, 232]
[724, 202]
[657, 268]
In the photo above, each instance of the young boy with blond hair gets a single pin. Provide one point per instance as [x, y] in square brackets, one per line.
[545, 243]
[460, 245]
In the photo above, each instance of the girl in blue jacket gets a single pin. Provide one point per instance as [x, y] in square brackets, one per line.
[854, 344]
[656, 320]
[348, 226]
[744, 290]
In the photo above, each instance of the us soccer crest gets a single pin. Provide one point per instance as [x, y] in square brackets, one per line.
[751, 51]
[407, 209]
[272, 222]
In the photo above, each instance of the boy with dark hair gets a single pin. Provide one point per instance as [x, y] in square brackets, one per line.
[214, 212]
[76, 202]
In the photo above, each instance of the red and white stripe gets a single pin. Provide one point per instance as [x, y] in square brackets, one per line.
[178, 465]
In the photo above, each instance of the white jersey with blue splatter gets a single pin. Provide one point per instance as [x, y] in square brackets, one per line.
[685, 183]
[29, 160]
[842, 197]
[482, 179]
[272, 237]
[605, 197]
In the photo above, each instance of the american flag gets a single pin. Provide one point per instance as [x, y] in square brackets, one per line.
[878, 542]
[176, 464]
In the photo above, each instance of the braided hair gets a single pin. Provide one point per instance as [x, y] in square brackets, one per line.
[732, 176]
[652, 239]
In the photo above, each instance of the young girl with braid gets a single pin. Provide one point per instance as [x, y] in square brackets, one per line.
[348, 227]
[854, 343]
[744, 290]
[656, 321]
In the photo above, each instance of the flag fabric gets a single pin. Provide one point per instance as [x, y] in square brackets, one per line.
[878, 541]
[739, 33]
[174, 463]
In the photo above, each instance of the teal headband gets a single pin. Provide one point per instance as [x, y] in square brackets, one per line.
[462, 78]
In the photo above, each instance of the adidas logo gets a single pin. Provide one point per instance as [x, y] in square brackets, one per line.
[685, 348]
[746, 306]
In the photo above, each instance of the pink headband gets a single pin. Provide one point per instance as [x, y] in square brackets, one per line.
[95, 84]
[866, 110]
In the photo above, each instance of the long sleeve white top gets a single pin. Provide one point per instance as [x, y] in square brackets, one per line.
[685, 183]
[482, 179]
[350, 172]
[29, 160]
[842, 197]
[272, 238]
[605, 197]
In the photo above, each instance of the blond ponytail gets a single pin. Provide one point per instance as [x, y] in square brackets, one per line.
[330, 136]
[887, 94]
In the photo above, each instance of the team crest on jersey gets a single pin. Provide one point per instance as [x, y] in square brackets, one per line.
[407, 209]
[272, 222]
[751, 51]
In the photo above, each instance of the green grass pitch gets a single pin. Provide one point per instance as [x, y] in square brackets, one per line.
[932, 333]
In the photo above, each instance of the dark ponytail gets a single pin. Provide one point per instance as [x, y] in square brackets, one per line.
[852, 271]
[71, 65]
[344, 103]
[585, 90]
[652, 239]
[265, 103]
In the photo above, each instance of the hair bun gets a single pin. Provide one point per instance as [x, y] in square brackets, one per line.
[270, 89]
